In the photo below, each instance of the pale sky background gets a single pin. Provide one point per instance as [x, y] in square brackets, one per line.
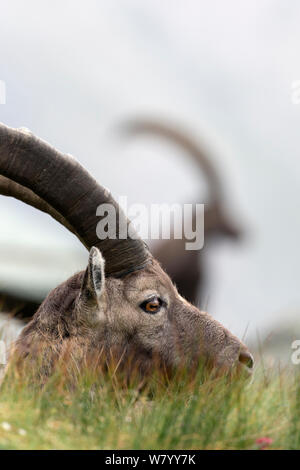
[225, 70]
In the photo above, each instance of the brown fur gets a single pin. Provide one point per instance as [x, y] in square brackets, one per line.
[188, 268]
[68, 321]
[90, 315]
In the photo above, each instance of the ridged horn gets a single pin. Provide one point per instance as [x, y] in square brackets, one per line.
[38, 174]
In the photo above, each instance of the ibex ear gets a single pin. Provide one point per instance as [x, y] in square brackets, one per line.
[94, 279]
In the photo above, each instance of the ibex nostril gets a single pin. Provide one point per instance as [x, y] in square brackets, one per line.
[120, 271]
[247, 359]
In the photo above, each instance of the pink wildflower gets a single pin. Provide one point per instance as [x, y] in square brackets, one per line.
[264, 442]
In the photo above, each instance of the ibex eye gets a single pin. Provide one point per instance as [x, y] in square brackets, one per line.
[152, 305]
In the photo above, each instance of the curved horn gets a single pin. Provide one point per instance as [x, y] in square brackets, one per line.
[59, 185]
[186, 142]
[12, 189]
[216, 218]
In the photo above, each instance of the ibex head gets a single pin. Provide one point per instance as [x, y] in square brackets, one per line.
[123, 301]
[217, 221]
[187, 268]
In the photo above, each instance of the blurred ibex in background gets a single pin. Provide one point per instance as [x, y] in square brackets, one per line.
[187, 267]
[123, 304]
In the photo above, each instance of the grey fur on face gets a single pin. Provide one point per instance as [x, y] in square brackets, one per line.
[123, 301]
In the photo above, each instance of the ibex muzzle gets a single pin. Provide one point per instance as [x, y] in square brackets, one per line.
[124, 300]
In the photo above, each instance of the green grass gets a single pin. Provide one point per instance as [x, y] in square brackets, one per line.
[101, 413]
